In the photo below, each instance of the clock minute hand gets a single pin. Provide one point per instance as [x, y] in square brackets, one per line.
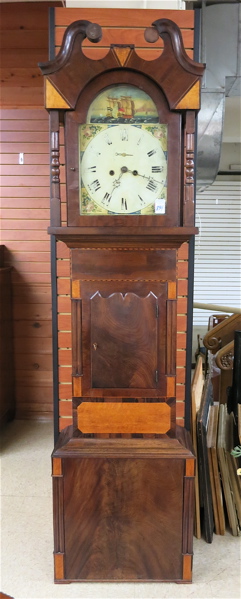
[145, 177]
[136, 174]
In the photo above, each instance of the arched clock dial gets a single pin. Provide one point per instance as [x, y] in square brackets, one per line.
[123, 168]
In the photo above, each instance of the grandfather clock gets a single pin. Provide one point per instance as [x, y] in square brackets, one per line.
[123, 473]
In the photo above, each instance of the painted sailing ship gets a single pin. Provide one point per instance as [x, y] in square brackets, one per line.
[120, 107]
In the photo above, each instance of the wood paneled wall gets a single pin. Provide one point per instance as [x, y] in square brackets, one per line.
[25, 196]
[25, 201]
[24, 43]
[118, 26]
[25, 217]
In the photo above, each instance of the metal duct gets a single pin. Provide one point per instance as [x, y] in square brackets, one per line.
[220, 50]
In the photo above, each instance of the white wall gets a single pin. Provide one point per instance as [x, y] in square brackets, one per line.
[160, 4]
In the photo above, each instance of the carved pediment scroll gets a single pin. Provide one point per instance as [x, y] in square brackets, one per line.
[72, 70]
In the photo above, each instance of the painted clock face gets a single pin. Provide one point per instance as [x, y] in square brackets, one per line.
[123, 169]
[123, 155]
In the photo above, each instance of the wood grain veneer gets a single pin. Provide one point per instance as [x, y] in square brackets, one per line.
[124, 417]
[119, 496]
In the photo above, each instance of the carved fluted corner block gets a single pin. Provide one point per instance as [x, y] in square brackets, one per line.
[224, 357]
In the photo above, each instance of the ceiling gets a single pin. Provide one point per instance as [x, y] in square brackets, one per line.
[162, 4]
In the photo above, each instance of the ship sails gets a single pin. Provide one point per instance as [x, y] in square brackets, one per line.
[121, 107]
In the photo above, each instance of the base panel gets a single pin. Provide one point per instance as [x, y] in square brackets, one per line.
[123, 517]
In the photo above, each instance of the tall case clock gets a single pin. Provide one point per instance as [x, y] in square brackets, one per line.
[123, 474]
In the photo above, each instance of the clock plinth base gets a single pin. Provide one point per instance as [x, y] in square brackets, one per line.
[123, 508]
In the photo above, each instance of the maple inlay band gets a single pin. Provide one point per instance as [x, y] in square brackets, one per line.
[119, 417]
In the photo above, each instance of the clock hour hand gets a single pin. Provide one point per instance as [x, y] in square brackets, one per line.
[116, 182]
[108, 196]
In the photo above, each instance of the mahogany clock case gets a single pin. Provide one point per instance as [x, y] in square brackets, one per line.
[123, 475]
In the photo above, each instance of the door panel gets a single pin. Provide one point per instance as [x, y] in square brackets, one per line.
[127, 522]
[125, 332]
[124, 341]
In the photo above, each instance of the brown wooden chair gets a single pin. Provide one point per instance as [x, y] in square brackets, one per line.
[216, 340]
